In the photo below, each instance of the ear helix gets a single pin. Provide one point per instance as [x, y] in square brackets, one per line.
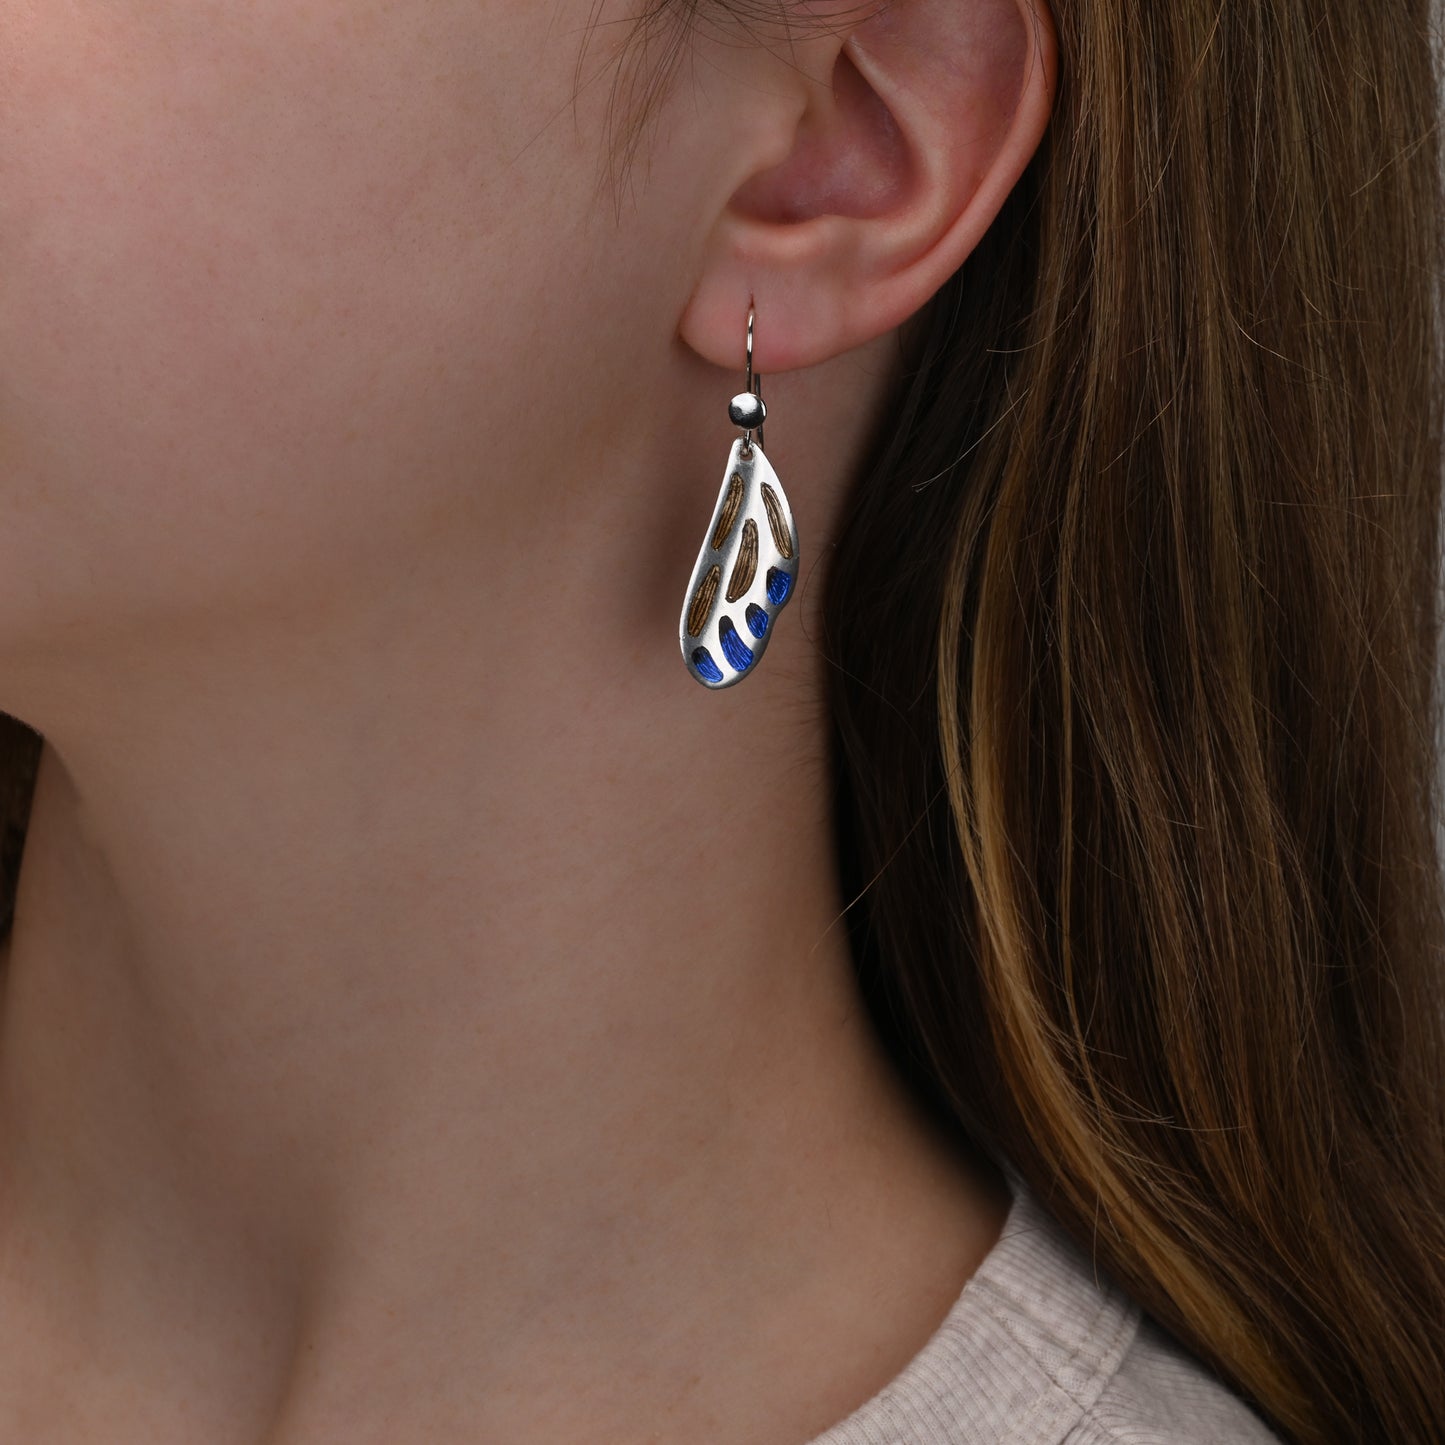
[748, 563]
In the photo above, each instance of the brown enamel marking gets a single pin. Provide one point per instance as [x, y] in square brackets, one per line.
[747, 563]
[729, 513]
[781, 539]
[702, 600]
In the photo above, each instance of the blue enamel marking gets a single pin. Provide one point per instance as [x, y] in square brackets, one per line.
[702, 660]
[779, 585]
[734, 648]
[757, 619]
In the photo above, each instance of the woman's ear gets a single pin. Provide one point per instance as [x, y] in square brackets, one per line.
[910, 126]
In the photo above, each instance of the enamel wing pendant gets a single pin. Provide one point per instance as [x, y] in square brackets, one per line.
[747, 567]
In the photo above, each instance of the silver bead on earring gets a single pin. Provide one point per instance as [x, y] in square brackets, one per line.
[752, 543]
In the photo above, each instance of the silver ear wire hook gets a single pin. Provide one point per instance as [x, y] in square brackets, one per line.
[746, 409]
[755, 384]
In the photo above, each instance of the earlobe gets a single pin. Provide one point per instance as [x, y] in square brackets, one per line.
[896, 169]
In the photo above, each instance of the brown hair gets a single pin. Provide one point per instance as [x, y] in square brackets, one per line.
[1132, 626]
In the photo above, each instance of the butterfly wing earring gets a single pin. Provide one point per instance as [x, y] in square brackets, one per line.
[747, 566]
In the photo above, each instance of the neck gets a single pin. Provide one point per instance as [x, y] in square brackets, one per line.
[349, 1005]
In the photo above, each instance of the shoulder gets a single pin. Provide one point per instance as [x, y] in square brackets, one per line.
[1161, 1394]
[1043, 1347]
[1116, 1375]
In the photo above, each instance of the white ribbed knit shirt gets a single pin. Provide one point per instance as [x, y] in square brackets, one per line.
[1040, 1349]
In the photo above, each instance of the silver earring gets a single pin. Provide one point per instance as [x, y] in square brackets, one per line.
[748, 564]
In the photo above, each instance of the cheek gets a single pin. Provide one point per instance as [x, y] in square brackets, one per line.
[265, 271]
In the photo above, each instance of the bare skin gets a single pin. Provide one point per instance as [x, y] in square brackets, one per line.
[428, 1015]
